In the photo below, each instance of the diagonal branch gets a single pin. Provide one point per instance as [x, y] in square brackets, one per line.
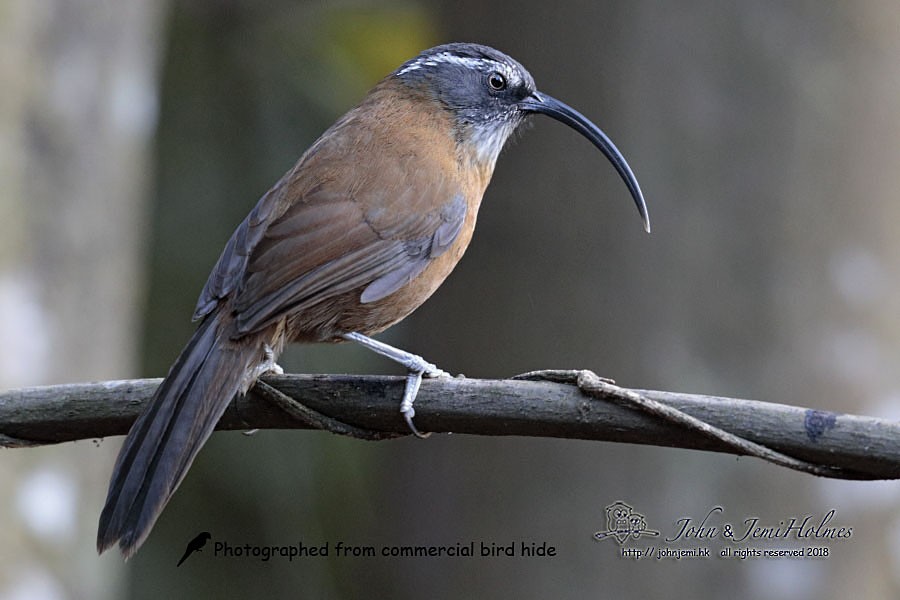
[597, 387]
[843, 445]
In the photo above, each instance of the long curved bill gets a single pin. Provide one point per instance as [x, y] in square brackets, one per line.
[539, 102]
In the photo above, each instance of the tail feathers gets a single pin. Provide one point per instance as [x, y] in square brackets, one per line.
[169, 433]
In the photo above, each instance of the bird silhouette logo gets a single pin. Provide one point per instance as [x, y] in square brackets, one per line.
[195, 545]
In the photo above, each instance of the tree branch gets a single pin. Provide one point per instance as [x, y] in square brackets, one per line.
[861, 447]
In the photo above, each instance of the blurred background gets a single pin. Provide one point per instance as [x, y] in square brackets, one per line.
[135, 135]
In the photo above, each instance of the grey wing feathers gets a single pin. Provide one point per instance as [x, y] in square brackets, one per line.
[288, 261]
[420, 252]
[232, 263]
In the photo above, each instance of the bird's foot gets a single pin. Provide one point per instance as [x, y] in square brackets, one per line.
[268, 364]
[413, 381]
[417, 366]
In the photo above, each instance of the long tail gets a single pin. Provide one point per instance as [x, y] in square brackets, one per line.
[166, 437]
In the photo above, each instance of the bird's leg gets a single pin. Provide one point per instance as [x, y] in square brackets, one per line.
[268, 364]
[417, 366]
[412, 362]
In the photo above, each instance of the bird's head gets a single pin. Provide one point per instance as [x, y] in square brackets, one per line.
[490, 94]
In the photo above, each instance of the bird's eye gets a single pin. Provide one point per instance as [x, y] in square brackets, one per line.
[496, 81]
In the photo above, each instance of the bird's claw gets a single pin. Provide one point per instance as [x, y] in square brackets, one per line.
[413, 381]
[416, 366]
[408, 417]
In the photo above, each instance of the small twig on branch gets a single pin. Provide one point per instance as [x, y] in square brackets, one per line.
[830, 444]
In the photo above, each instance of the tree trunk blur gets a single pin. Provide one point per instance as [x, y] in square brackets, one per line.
[77, 115]
[765, 139]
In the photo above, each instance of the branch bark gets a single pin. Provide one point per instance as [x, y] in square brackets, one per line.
[867, 446]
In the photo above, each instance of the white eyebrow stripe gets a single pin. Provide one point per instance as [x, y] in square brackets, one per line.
[445, 58]
[511, 74]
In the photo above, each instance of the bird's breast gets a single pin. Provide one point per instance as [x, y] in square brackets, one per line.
[417, 194]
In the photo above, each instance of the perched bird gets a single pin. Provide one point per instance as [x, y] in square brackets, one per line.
[359, 233]
[195, 545]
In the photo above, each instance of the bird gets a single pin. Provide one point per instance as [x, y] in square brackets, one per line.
[355, 236]
[195, 545]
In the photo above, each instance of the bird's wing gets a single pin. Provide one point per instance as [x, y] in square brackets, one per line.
[232, 262]
[308, 240]
[331, 246]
